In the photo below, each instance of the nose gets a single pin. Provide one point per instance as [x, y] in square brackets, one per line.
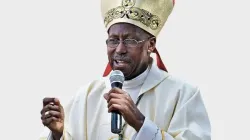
[121, 48]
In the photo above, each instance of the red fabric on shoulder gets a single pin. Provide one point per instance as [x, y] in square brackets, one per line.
[107, 70]
[160, 64]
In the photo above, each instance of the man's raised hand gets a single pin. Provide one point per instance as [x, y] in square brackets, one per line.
[52, 116]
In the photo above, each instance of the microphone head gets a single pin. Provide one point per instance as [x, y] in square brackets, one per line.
[116, 76]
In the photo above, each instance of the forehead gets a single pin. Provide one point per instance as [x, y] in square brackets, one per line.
[125, 29]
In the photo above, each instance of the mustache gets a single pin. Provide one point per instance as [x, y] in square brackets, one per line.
[121, 58]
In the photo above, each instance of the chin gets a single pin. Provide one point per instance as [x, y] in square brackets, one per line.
[126, 72]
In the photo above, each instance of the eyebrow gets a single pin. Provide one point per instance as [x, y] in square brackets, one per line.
[133, 36]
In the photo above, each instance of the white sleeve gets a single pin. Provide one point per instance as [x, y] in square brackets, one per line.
[150, 131]
[190, 122]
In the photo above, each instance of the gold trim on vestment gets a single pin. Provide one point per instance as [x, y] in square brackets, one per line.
[117, 138]
[162, 135]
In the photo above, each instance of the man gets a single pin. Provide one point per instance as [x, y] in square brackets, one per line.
[153, 104]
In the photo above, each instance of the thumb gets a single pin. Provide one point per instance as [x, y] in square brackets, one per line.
[57, 102]
[106, 96]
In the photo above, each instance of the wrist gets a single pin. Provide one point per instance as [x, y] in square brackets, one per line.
[57, 136]
[139, 123]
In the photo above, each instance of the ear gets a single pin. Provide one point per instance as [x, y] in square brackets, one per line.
[151, 46]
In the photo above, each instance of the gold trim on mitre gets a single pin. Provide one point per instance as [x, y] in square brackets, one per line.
[149, 15]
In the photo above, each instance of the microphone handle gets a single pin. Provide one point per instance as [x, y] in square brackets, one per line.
[116, 122]
[116, 117]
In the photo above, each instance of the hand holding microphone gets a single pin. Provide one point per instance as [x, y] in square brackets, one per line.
[120, 103]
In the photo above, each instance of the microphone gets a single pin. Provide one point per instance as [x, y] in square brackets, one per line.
[116, 79]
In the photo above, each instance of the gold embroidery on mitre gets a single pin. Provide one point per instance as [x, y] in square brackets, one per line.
[127, 10]
[128, 3]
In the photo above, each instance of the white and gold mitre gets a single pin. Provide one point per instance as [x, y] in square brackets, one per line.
[149, 15]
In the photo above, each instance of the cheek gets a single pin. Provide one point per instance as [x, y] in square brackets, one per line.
[136, 58]
[110, 53]
[141, 58]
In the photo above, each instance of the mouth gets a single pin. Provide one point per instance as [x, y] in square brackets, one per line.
[120, 63]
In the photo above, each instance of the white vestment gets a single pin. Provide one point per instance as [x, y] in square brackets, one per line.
[173, 110]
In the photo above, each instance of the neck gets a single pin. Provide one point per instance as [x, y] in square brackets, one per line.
[137, 73]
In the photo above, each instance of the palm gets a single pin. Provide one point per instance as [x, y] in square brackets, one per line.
[56, 126]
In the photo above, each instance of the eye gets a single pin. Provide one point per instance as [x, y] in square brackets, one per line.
[130, 42]
[112, 41]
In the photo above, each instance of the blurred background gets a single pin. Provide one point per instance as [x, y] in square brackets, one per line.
[53, 47]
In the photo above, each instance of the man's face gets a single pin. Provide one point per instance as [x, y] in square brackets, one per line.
[132, 61]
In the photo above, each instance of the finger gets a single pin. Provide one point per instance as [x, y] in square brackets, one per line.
[120, 96]
[55, 114]
[115, 107]
[51, 114]
[115, 101]
[114, 95]
[117, 90]
[49, 120]
[48, 100]
[49, 107]
[45, 115]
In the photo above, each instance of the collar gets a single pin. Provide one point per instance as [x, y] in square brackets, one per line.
[137, 81]
[153, 78]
